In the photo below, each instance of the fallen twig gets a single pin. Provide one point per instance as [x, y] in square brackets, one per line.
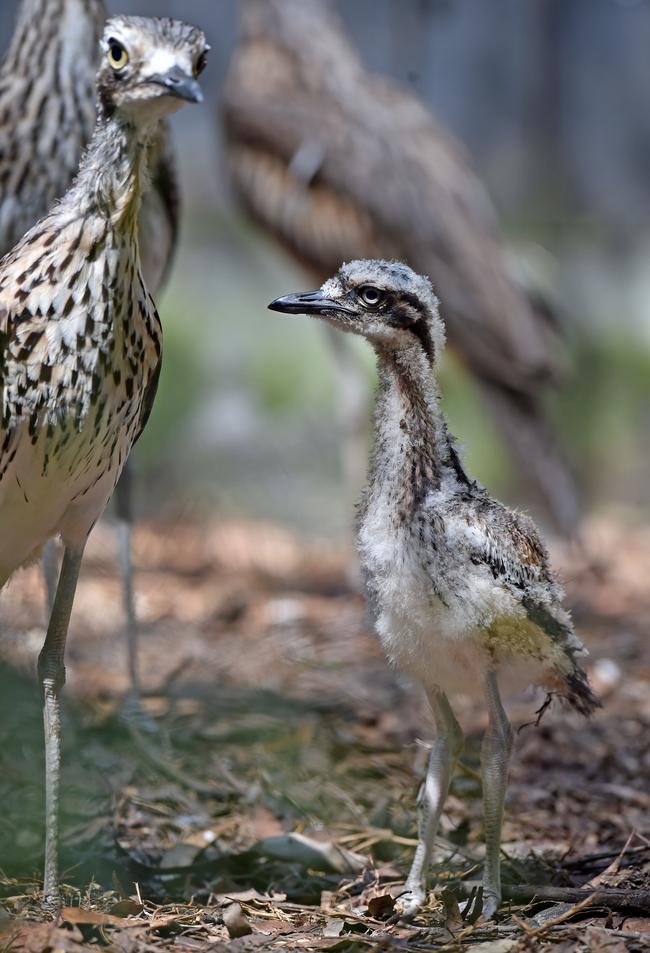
[615, 898]
[614, 866]
[556, 921]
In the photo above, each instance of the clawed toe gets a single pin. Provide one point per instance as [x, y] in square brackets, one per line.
[408, 905]
[491, 904]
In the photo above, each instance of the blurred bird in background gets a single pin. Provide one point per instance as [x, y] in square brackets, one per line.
[47, 115]
[338, 164]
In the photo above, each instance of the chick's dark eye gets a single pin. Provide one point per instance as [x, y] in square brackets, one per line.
[201, 63]
[370, 296]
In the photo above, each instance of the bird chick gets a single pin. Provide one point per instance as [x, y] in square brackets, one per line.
[81, 342]
[460, 586]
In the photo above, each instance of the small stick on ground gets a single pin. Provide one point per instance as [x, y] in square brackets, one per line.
[627, 901]
[614, 866]
[538, 931]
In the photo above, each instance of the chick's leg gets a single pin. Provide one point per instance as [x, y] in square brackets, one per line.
[444, 755]
[495, 757]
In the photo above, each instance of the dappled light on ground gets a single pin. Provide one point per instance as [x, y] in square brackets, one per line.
[279, 759]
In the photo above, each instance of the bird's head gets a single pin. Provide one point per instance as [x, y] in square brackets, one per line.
[149, 67]
[384, 301]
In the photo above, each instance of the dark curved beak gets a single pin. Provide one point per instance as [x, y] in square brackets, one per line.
[307, 302]
[179, 84]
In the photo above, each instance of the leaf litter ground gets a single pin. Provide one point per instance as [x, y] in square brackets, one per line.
[266, 800]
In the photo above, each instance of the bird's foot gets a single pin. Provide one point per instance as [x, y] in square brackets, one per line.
[409, 904]
[51, 902]
[491, 903]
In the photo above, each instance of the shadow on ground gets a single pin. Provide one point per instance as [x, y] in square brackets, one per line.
[283, 766]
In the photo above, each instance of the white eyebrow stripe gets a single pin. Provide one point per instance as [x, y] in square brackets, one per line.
[161, 62]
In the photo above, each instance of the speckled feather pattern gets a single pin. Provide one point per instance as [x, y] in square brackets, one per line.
[81, 346]
[47, 116]
[80, 338]
[47, 107]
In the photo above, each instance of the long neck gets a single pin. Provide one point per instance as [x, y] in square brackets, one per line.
[413, 451]
[111, 175]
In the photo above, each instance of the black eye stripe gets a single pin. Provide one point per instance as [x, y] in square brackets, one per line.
[402, 317]
[421, 330]
[411, 300]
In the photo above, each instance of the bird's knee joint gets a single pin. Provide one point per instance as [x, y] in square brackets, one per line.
[500, 737]
[51, 674]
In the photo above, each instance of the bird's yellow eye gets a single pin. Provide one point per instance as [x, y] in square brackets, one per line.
[117, 55]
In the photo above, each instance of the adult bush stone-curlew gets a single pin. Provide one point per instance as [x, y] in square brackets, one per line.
[80, 340]
[47, 116]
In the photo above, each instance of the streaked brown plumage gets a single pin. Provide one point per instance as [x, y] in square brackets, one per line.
[339, 163]
[80, 339]
[47, 115]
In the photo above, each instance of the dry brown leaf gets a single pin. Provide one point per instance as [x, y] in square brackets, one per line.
[235, 921]
[334, 927]
[636, 925]
[381, 907]
[81, 917]
[321, 855]
[494, 946]
[126, 908]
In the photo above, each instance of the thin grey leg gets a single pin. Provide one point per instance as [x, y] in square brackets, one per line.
[124, 511]
[444, 755]
[126, 573]
[50, 563]
[51, 673]
[495, 757]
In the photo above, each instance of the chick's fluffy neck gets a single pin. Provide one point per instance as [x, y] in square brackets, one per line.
[413, 446]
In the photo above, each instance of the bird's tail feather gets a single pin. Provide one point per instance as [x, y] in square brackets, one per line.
[579, 693]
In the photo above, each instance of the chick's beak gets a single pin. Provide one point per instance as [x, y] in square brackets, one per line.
[307, 302]
[177, 83]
